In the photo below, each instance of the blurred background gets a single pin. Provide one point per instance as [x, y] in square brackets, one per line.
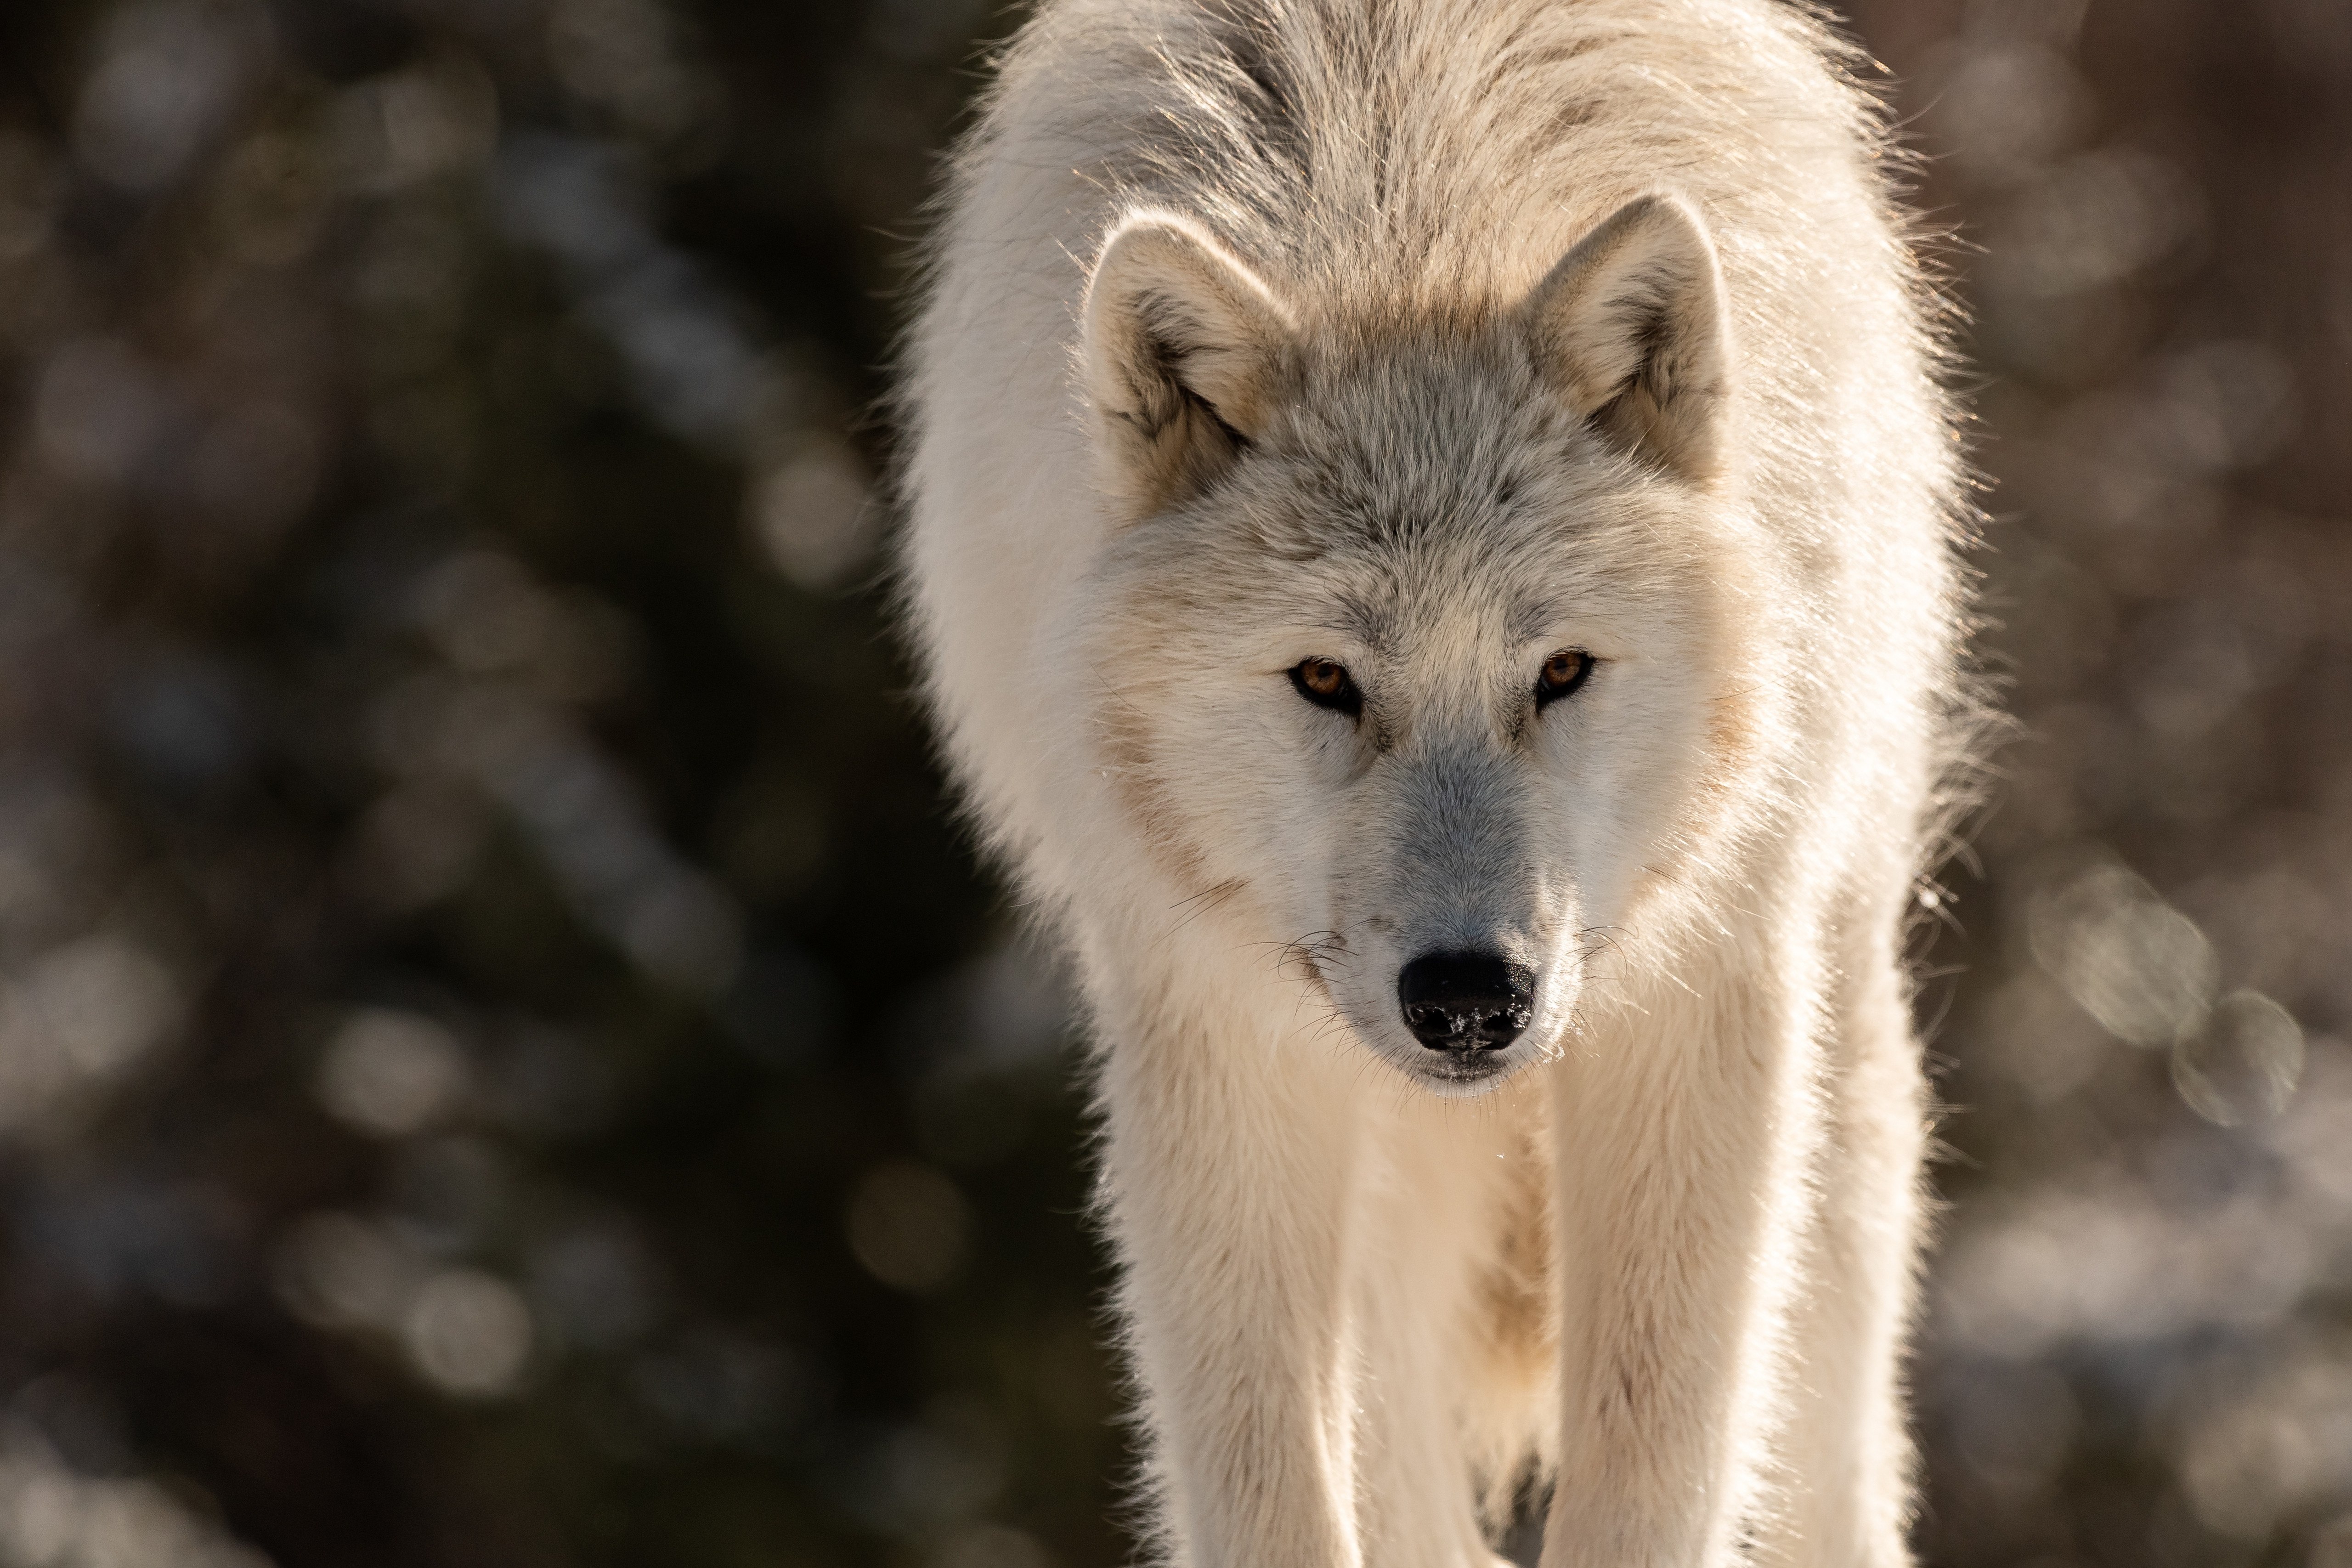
[504, 1058]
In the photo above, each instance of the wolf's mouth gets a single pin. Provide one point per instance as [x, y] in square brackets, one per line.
[1460, 1070]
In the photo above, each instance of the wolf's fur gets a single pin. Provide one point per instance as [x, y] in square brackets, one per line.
[1431, 337]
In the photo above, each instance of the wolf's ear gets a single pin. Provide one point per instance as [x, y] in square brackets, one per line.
[1184, 349]
[1629, 327]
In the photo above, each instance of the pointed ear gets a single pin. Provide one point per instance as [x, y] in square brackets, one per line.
[1629, 328]
[1185, 349]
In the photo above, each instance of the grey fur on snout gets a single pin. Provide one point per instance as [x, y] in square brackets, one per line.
[1457, 875]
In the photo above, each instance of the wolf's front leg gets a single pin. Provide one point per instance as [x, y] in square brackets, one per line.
[1682, 1150]
[1229, 1168]
[1848, 1453]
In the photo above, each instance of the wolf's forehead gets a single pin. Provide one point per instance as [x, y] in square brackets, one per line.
[1432, 492]
[1396, 594]
[1402, 446]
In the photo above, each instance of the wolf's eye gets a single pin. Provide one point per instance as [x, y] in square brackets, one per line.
[1325, 683]
[1562, 674]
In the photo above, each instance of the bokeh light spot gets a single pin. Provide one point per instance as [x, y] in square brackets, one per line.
[469, 1333]
[2244, 1063]
[907, 1225]
[391, 1073]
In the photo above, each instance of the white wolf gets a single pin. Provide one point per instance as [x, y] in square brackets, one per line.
[1432, 551]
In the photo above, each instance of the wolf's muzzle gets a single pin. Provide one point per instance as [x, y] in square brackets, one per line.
[1466, 1001]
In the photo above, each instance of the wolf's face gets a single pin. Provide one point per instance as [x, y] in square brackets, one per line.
[1413, 650]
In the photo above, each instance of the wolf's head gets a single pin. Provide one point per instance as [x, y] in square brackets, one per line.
[1417, 646]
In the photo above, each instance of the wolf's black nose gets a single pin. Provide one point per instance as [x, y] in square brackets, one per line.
[1466, 1001]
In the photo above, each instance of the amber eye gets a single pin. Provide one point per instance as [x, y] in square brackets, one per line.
[1325, 683]
[1562, 674]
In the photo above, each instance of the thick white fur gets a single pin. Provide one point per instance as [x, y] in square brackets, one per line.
[1431, 337]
